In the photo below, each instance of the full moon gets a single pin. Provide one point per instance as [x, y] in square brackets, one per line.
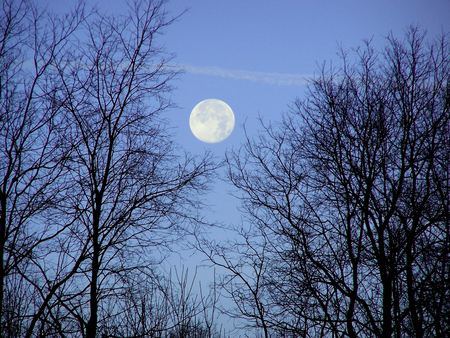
[211, 121]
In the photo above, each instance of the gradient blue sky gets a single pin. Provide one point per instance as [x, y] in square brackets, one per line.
[256, 54]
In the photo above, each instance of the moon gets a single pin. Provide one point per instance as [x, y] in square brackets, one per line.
[211, 121]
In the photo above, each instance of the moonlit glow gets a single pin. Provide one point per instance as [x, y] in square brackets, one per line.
[211, 121]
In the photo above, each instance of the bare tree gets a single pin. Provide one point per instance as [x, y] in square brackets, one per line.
[93, 189]
[165, 307]
[243, 260]
[351, 195]
[131, 190]
[31, 40]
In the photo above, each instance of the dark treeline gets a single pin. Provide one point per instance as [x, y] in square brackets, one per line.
[346, 201]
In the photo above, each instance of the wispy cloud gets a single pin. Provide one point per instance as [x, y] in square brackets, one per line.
[280, 79]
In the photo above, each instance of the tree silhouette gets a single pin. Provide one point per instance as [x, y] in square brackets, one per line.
[347, 200]
[30, 152]
[92, 185]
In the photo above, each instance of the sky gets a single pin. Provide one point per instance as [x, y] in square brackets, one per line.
[256, 55]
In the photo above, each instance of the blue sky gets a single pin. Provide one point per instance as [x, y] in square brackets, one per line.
[256, 55]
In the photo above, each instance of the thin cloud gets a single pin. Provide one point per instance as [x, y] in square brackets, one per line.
[280, 79]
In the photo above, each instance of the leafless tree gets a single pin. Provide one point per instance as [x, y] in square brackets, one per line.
[243, 260]
[192, 312]
[131, 191]
[164, 306]
[93, 188]
[31, 41]
[351, 195]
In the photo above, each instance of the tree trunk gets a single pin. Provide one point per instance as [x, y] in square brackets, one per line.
[91, 328]
[2, 253]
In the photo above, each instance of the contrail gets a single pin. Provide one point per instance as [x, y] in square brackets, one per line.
[280, 79]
